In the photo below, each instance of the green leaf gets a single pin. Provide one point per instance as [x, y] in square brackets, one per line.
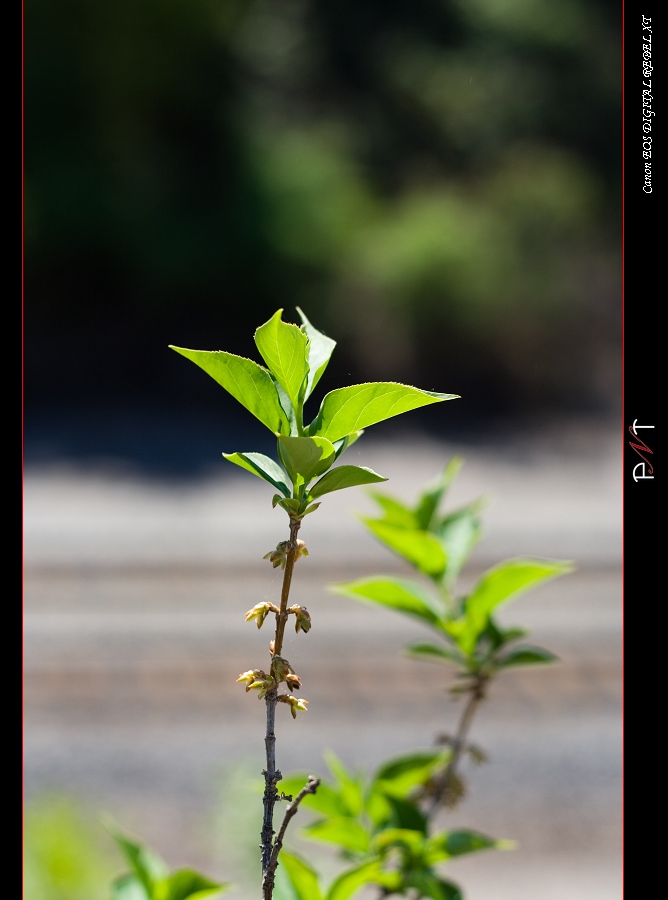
[148, 867]
[430, 885]
[295, 879]
[344, 477]
[248, 383]
[396, 513]
[368, 873]
[433, 494]
[420, 548]
[348, 409]
[406, 838]
[499, 585]
[320, 350]
[186, 884]
[458, 843]
[349, 785]
[305, 456]
[394, 593]
[326, 800]
[406, 814]
[344, 831]
[262, 466]
[128, 887]
[526, 655]
[283, 348]
[459, 532]
[399, 776]
[433, 653]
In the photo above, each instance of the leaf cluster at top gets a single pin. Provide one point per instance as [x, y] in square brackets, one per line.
[295, 358]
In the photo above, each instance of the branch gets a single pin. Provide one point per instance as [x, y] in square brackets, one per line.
[290, 811]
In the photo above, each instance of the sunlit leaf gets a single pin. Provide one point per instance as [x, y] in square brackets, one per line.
[458, 843]
[394, 593]
[368, 873]
[248, 383]
[148, 867]
[432, 886]
[348, 409]
[344, 477]
[283, 348]
[186, 884]
[306, 456]
[400, 775]
[326, 800]
[459, 532]
[345, 832]
[396, 513]
[433, 494]
[262, 466]
[320, 350]
[128, 887]
[295, 879]
[349, 784]
[420, 548]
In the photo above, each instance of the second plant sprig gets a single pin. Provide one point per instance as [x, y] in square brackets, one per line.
[296, 357]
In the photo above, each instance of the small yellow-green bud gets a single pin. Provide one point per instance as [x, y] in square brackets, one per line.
[296, 704]
[260, 612]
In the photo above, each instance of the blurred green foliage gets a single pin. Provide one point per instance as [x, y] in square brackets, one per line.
[438, 181]
[67, 853]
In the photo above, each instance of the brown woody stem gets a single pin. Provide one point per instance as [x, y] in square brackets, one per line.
[271, 774]
[269, 875]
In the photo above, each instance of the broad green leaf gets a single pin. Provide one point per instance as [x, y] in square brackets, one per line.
[306, 456]
[433, 653]
[407, 815]
[420, 548]
[344, 477]
[349, 784]
[186, 884]
[326, 800]
[499, 585]
[395, 512]
[248, 383]
[526, 656]
[145, 864]
[399, 776]
[458, 843]
[459, 532]
[283, 348]
[287, 407]
[345, 832]
[432, 886]
[320, 350]
[394, 593]
[410, 840]
[348, 409]
[295, 879]
[262, 466]
[433, 494]
[128, 887]
[348, 882]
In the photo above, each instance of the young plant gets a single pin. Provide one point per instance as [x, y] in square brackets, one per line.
[301, 474]
[150, 879]
[384, 824]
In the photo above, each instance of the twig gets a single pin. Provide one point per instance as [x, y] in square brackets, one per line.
[271, 774]
[268, 879]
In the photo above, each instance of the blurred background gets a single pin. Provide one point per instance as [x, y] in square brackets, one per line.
[437, 184]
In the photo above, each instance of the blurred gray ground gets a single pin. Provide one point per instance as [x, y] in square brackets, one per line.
[135, 591]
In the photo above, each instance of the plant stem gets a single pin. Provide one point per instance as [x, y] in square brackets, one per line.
[445, 781]
[271, 774]
[268, 878]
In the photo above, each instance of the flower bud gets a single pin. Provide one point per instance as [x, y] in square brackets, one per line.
[303, 618]
[296, 703]
[293, 681]
[250, 677]
[260, 612]
[280, 668]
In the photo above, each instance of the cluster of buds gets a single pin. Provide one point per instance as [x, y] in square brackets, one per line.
[260, 612]
[279, 556]
[257, 680]
[296, 703]
[303, 618]
[281, 668]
